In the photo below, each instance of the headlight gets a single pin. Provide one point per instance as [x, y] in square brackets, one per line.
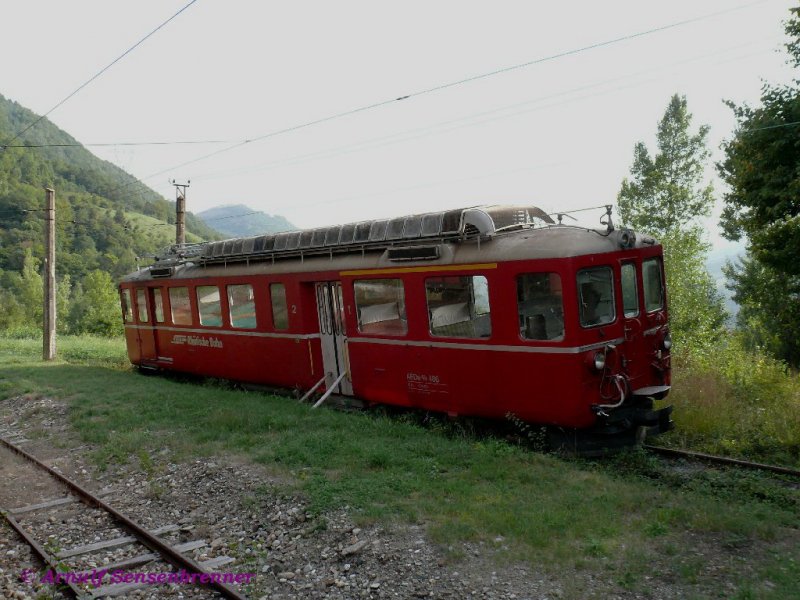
[599, 361]
[667, 341]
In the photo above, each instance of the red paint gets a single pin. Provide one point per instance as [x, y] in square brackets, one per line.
[481, 377]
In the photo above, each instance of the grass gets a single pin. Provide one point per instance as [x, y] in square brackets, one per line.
[624, 519]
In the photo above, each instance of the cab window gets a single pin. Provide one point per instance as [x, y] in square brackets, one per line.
[242, 306]
[653, 286]
[381, 306]
[596, 296]
[208, 305]
[127, 307]
[459, 306]
[540, 306]
[630, 296]
[181, 310]
[141, 305]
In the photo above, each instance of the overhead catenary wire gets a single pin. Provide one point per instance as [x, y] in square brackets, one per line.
[452, 84]
[16, 211]
[421, 92]
[96, 75]
[371, 143]
[112, 144]
[433, 129]
[765, 127]
[247, 214]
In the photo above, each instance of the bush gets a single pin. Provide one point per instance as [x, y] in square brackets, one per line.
[737, 402]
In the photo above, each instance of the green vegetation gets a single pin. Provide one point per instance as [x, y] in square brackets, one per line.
[628, 519]
[666, 197]
[762, 170]
[737, 402]
[731, 396]
[104, 219]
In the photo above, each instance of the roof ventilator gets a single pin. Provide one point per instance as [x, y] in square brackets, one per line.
[403, 253]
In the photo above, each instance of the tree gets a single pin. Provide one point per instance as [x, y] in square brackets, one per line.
[666, 196]
[30, 292]
[764, 312]
[762, 171]
[12, 316]
[95, 306]
[63, 291]
[667, 192]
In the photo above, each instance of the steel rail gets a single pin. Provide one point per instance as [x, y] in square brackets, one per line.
[44, 555]
[145, 537]
[675, 453]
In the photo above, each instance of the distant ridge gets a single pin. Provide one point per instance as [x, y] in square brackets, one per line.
[238, 220]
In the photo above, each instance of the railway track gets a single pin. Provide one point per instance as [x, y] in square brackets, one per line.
[722, 460]
[92, 586]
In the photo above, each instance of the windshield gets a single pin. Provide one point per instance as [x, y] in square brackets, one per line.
[653, 287]
[596, 296]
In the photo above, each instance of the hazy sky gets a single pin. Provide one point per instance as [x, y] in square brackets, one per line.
[558, 134]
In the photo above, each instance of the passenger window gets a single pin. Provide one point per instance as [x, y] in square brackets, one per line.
[241, 303]
[141, 306]
[381, 306]
[179, 304]
[653, 287]
[459, 306]
[127, 307]
[208, 305]
[596, 296]
[540, 306]
[158, 304]
[280, 312]
[630, 295]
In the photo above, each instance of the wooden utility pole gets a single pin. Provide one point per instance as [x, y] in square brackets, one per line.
[180, 212]
[49, 346]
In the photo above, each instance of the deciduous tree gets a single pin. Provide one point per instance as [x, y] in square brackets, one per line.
[666, 196]
[667, 191]
[762, 203]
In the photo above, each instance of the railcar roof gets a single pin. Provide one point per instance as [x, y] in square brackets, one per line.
[526, 243]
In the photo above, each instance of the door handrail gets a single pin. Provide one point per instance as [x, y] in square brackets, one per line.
[313, 389]
[330, 389]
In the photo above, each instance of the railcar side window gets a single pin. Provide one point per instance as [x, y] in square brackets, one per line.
[653, 286]
[158, 304]
[630, 296]
[127, 307]
[541, 306]
[208, 305]
[179, 305]
[280, 312]
[596, 296]
[459, 306]
[381, 306]
[141, 305]
[242, 306]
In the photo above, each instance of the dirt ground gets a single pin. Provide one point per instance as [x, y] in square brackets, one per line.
[242, 515]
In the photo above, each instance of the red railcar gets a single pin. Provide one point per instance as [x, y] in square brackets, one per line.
[489, 312]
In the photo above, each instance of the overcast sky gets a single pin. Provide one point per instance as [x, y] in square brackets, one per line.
[558, 134]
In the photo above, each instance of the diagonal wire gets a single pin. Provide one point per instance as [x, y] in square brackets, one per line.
[455, 83]
[98, 74]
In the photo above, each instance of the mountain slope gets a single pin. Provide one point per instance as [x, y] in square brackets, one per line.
[238, 220]
[96, 202]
